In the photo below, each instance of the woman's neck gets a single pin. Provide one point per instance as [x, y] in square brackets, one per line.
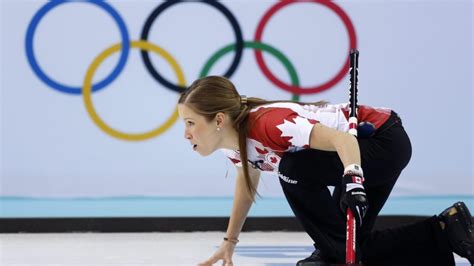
[230, 139]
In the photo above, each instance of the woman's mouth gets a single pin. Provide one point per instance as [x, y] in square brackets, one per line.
[194, 147]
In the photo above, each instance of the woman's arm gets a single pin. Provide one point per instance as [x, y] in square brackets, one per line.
[242, 202]
[328, 139]
[353, 194]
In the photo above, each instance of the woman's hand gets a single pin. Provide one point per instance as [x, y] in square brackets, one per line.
[353, 193]
[224, 253]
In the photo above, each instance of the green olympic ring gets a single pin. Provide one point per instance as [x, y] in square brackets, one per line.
[258, 46]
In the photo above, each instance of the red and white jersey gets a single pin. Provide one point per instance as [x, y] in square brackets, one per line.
[286, 127]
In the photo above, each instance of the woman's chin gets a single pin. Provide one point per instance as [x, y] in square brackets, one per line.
[200, 152]
[204, 153]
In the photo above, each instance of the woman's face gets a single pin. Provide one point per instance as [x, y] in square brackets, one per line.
[202, 134]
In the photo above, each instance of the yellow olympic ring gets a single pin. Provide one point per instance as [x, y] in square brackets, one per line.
[87, 89]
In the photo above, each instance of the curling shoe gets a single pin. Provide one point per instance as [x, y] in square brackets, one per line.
[459, 229]
[314, 259]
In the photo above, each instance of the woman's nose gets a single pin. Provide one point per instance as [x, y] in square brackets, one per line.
[187, 135]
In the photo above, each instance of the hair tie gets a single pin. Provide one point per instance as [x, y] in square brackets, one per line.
[243, 99]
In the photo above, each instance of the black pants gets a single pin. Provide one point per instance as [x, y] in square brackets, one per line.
[384, 156]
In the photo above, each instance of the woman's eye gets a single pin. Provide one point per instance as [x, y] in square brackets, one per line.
[190, 123]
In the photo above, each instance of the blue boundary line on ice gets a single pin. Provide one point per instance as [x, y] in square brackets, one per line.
[142, 206]
[205, 198]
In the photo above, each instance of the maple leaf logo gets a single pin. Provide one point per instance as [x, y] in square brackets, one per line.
[274, 160]
[296, 131]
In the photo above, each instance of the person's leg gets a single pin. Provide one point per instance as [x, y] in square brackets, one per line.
[315, 208]
[377, 197]
[421, 243]
[383, 158]
[424, 243]
[311, 201]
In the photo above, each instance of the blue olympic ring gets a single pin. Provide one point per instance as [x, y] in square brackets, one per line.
[69, 89]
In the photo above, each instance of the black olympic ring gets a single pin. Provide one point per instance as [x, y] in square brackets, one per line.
[233, 21]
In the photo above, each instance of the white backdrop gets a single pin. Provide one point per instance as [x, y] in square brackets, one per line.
[416, 57]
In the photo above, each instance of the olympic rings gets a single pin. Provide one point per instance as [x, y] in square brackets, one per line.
[235, 25]
[88, 88]
[314, 89]
[30, 33]
[88, 99]
[260, 46]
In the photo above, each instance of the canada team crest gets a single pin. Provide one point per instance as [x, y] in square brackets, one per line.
[272, 159]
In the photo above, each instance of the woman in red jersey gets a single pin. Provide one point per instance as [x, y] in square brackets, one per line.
[307, 147]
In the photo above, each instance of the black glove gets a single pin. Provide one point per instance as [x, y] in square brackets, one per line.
[353, 193]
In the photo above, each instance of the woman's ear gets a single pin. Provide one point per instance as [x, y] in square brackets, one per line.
[220, 118]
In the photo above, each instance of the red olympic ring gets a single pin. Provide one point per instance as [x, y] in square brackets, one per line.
[295, 89]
